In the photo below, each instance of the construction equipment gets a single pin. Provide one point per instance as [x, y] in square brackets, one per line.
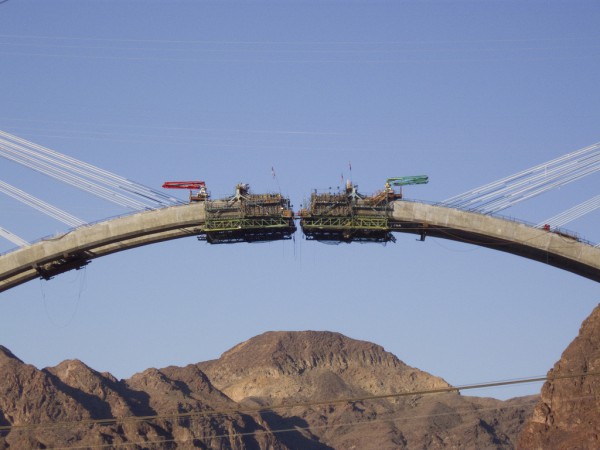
[347, 217]
[198, 192]
[247, 217]
[77, 261]
[403, 181]
[351, 217]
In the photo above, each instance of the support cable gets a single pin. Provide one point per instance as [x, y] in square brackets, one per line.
[507, 196]
[537, 189]
[40, 205]
[534, 181]
[510, 190]
[36, 161]
[73, 180]
[572, 214]
[63, 168]
[105, 175]
[13, 237]
[512, 178]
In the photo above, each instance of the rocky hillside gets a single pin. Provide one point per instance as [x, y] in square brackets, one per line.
[279, 368]
[300, 366]
[220, 404]
[567, 416]
[67, 406]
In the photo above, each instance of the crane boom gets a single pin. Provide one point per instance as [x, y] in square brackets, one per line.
[403, 181]
[184, 185]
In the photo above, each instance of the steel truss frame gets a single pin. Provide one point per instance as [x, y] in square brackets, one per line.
[348, 229]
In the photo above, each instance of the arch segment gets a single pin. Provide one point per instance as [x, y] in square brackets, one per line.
[558, 250]
[77, 247]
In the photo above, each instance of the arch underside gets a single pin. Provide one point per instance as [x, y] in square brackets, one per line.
[525, 251]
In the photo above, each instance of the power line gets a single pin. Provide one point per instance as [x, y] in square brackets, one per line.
[387, 419]
[203, 42]
[329, 60]
[442, 390]
[276, 48]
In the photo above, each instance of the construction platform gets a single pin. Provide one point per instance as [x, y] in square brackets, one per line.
[247, 217]
[348, 216]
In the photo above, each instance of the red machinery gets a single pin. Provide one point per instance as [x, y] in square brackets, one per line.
[184, 185]
[199, 186]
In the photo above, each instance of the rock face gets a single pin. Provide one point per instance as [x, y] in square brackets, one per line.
[299, 366]
[64, 406]
[279, 368]
[567, 416]
[220, 404]
[28, 396]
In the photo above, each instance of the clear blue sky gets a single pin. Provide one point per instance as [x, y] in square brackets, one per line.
[464, 91]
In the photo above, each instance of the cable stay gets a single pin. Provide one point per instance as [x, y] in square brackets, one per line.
[508, 191]
[73, 180]
[13, 237]
[40, 205]
[79, 174]
[571, 214]
[78, 182]
[538, 187]
[103, 175]
[523, 174]
[56, 162]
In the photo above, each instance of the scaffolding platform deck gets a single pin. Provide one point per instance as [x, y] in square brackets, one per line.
[247, 217]
[348, 217]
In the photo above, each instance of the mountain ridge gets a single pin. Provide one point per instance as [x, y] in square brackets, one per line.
[232, 402]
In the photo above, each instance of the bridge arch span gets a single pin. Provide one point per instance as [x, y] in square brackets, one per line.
[74, 249]
[77, 247]
[551, 248]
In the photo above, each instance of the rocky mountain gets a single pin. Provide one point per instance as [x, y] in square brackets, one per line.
[279, 390]
[299, 366]
[280, 368]
[71, 405]
[567, 415]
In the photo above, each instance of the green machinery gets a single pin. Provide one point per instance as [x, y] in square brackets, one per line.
[247, 217]
[403, 181]
[348, 216]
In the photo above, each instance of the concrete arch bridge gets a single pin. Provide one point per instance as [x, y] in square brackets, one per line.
[76, 248]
